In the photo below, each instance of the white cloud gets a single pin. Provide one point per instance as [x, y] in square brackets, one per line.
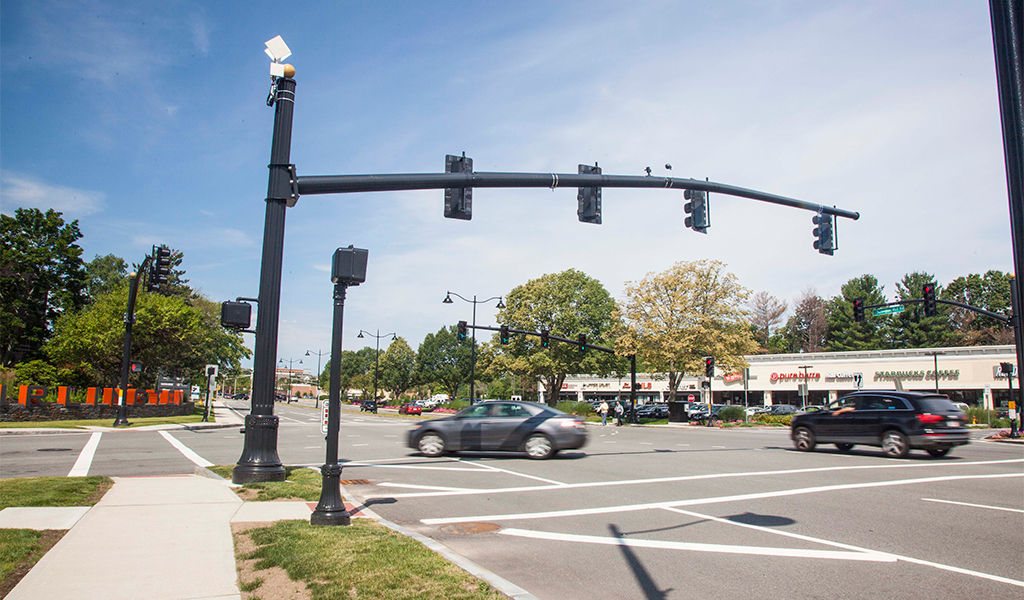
[25, 191]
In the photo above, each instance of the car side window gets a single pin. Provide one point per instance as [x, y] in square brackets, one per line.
[512, 411]
[477, 412]
[893, 404]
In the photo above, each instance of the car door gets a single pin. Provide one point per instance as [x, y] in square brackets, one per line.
[506, 427]
[837, 425]
[885, 411]
[470, 427]
[871, 413]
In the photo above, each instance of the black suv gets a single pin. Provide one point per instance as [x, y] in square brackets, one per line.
[896, 421]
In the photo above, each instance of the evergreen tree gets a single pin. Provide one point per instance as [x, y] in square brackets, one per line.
[843, 333]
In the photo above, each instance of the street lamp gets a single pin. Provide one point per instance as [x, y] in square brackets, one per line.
[318, 354]
[807, 389]
[290, 361]
[472, 348]
[376, 356]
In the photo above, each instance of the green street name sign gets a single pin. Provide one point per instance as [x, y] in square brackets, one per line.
[888, 310]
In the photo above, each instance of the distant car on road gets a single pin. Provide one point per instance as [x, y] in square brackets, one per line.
[782, 409]
[410, 409]
[896, 421]
[538, 430]
[240, 396]
[368, 405]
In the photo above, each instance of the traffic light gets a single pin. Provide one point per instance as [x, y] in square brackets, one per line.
[697, 208]
[458, 202]
[858, 310]
[504, 334]
[161, 267]
[545, 338]
[824, 243]
[709, 366]
[581, 341]
[462, 331]
[589, 198]
[928, 291]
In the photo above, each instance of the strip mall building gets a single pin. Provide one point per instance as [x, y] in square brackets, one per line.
[970, 374]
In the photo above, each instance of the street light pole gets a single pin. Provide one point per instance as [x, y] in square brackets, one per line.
[376, 356]
[281, 361]
[472, 348]
[807, 389]
[316, 403]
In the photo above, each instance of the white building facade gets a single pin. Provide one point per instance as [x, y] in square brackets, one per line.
[971, 374]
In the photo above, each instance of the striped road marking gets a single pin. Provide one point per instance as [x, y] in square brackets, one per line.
[186, 451]
[81, 468]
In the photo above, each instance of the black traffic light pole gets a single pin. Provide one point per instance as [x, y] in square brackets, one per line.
[1008, 320]
[584, 346]
[121, 420]
[1008, 46]
[259, 460]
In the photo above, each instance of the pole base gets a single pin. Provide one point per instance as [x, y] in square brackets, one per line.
[121, 422]
[259, 461]
[331, 508]
[334, 518]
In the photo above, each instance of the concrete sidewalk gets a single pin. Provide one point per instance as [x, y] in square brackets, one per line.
[159, 538]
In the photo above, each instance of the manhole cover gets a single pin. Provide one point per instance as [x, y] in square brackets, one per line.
[354, 482]
[467, 528]
[53, 450]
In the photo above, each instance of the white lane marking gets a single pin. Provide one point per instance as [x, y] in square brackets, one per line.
[697, 547]
[490, 468]
[723, 447]
[974, 505]
[311, 447]
[284, 418]
[646, 443]
[357, 445]
[713, 476]
[682, 444]
[186, 451]
[719, 499]
[855, 548]
[418, 487]
[81, 468]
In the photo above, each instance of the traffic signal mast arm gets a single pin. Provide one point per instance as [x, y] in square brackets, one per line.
[588, 346]
[987, 313]
[342, 184]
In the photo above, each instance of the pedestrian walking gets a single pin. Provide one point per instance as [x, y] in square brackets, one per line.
[603, 409]
[619, 412]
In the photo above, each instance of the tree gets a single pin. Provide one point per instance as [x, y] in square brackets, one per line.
[675, 318]
[911, 328]
[844, 334]
[398, 367]
[41, 277]
[353, 364]
[990, 291]
[806, 330]
[169, 337]
[104, 274]
[567, 304]
[766, 314]
[443, 360]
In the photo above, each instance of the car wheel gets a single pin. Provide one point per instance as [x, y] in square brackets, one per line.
[895, 444]
[938, 452]
[539, 447]
[431, 444]
[844, 447]
[803, 439]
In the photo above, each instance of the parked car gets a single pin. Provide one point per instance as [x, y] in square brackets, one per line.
[782, 409]
[895, 421]
[538, 430]
[410, 408]
[240, 396]
[652, 411]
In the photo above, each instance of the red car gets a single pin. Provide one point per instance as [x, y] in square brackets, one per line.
[409, 409]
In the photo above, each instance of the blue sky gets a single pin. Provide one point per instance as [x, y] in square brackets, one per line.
[147, 122]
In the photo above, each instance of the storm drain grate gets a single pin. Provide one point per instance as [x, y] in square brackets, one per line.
[469, 528]
[53, 450]
[354, 482]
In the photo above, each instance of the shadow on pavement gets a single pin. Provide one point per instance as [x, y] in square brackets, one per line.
[650, 589]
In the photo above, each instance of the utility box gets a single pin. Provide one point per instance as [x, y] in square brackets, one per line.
[349, 266]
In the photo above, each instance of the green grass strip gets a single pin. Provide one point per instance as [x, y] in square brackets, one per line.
[363, 560]
[79, 423]
[53, 491]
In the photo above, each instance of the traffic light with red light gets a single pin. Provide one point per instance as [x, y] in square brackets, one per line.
[928, 291]
[709, 366]
[858, 310]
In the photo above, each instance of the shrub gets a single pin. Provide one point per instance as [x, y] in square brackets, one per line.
[575, 408]
[784, 420]
[455, 405]
[731, 413]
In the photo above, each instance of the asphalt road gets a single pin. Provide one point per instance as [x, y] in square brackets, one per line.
[652, 512]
